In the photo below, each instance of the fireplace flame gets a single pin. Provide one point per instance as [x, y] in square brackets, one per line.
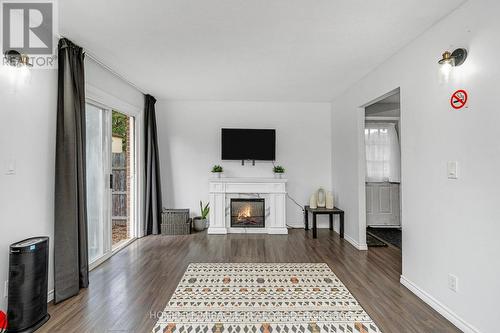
[245, 213]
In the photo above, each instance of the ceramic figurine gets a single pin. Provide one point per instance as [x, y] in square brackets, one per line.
[313, 202]
[321, 198]
[330, 203]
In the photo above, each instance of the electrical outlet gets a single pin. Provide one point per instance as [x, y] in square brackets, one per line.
[6, 289]
[452, 282]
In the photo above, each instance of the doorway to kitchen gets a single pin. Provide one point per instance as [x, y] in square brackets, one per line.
[383, 171]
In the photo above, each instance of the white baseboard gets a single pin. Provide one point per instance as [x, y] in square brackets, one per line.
[321, 225]
[385, 226]
[216, 231]
[277, 231]
[439, 307]
[295, 225]
[50, 296]
[301, 226]
[361, 247]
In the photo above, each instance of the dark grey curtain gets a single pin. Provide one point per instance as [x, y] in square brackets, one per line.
[70, 231]
[153, 205]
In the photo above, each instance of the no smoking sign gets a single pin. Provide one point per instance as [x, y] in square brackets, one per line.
[459, 99]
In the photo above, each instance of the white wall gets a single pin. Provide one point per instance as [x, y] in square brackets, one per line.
[28, 112]
[189, 140]
[450, 226]
[27, 135]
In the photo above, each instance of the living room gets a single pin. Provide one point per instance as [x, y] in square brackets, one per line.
[141, 120]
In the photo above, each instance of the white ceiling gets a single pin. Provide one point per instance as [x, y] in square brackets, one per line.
[247, 50]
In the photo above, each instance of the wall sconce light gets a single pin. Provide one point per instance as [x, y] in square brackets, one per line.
[15, 59]
[456, 58]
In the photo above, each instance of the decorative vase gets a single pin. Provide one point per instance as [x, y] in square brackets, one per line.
[199, 224]
[330, 203]
[321, 198]
[313, 203]
[217, 174]
[278, 175]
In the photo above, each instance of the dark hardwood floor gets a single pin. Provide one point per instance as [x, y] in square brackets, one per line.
[128, 289]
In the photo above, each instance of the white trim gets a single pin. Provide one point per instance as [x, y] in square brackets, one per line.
[217, 231]
[361, 178]
[270, 231]
[99, 261]
[438, 306]
[103, 98]
[278, 231]
[50, 296]
[380, 118]
[361, 247]
[102, 259]
[296, 225]
[385, 226]
[362, 167]
[321, 225]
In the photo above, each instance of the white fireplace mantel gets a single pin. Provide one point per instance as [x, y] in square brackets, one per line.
[272, 190]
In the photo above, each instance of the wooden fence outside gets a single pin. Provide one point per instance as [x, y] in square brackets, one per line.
[120, 188]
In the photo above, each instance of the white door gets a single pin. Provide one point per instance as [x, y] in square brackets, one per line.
[382, 204]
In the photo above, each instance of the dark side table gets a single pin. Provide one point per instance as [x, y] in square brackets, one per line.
[323, 211]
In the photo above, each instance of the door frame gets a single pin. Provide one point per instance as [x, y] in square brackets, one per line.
[362, 165]
[109, 102]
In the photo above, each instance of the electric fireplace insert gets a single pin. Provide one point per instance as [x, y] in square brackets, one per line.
[247, 213]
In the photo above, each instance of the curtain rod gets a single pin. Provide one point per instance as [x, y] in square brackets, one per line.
[106, 67]
[109, 69]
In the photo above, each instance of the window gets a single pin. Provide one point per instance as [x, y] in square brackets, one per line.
[383, 157]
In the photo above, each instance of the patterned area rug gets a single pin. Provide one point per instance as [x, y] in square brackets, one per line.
[262, 298]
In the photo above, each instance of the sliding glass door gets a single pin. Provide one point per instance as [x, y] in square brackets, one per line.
[98, 191]
[111, 181]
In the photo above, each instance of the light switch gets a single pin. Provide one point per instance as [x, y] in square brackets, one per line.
[452, 170]
[10, 167]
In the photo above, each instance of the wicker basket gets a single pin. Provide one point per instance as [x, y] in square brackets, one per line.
[175, 222]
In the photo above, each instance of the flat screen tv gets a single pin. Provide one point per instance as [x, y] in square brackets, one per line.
[248, 144]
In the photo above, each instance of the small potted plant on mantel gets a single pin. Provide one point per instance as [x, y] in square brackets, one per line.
[217, 170]
[278, 171]
[200, 222]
